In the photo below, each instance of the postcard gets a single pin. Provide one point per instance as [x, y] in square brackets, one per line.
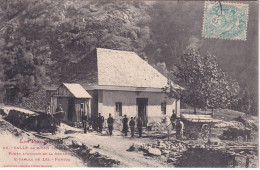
[132, 84]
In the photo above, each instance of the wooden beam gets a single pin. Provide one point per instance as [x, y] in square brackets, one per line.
[122, 88]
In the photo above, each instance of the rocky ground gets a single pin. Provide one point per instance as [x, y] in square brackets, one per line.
[153, 150]
[12, 150]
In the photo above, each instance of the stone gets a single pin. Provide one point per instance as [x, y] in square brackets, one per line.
[97, 146]
[92, 151]
[144, 147]
[164, 158]
[171, 160]
[131, 148]
[154, 151]
[76, 144]
[159, 142]
[104, 133]
[167, 143]
[165, 152]
[162, 145]
[83, 146]
[174, 148]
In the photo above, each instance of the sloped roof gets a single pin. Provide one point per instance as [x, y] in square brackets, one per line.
[124, 68]
[77, 90]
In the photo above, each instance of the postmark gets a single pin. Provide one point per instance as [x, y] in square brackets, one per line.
[225, 20]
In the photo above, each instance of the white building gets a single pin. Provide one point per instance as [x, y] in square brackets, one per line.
[121, 82]
[127, 84]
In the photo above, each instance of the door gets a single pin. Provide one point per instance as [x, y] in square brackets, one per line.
[71, 108]
[118, 108]
[142, 109]
[64, 105]
[81, 111]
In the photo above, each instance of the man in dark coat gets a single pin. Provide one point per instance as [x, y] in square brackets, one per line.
[84, 122]
[179, 129]
[132, 126]
[140, 126]
[173, 119]
[100, 122]
[58, 111]
[110, 122]
[125, 125]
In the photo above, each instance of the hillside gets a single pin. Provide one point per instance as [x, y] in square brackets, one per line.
[44, 42]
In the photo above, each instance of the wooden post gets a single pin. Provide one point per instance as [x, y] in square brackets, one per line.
[234, 160]
[247, 162]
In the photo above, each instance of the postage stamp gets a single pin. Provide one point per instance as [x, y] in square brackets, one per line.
[225, 20]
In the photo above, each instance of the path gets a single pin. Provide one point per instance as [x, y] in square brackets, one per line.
[114, 147]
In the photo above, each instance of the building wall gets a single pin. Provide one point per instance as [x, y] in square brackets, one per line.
[49, 93]
[108, 98]
[93, 103]
[77, 116]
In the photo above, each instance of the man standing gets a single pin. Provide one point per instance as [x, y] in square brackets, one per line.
[48, 109]
[110, 122]
[59, 110]
[132, 126]
[84, 122]
[140, 126]
[179, 129]
[173, 119]
[125, 125]
[100, 122]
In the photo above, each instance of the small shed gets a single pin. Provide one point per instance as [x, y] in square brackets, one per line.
[74, 100]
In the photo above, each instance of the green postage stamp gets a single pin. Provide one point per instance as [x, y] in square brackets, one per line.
[225, 20]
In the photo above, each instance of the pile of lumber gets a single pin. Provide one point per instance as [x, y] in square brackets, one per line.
[26, 119]
[199, 118]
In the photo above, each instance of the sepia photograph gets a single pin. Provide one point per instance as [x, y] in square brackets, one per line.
[129, 84]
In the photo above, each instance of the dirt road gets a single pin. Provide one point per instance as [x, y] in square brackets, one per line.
[113, 147]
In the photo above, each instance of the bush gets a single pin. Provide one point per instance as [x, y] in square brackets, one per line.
[35, 101]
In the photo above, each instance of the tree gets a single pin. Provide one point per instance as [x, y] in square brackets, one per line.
[172, 38]
[39, 40]
[205, 84]
[171, 91]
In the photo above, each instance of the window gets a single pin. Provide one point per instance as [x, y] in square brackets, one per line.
[163, 108]
[119, 108]
[82, 105]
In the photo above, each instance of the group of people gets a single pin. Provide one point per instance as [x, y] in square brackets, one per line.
[110, 122]
[99, 121]
[175, 123]
[58, 110]
[139, 123]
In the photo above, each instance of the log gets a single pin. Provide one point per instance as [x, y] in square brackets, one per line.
[241, 147]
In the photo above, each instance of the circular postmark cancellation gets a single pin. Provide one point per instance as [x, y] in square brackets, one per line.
[225, 20]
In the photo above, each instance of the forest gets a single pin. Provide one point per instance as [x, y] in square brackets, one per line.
[40, 40]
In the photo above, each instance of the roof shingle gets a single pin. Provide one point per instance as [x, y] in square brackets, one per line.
[124, 68]
[77, 90]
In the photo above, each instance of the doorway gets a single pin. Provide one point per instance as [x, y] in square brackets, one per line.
[71, 108]
[142, 109]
